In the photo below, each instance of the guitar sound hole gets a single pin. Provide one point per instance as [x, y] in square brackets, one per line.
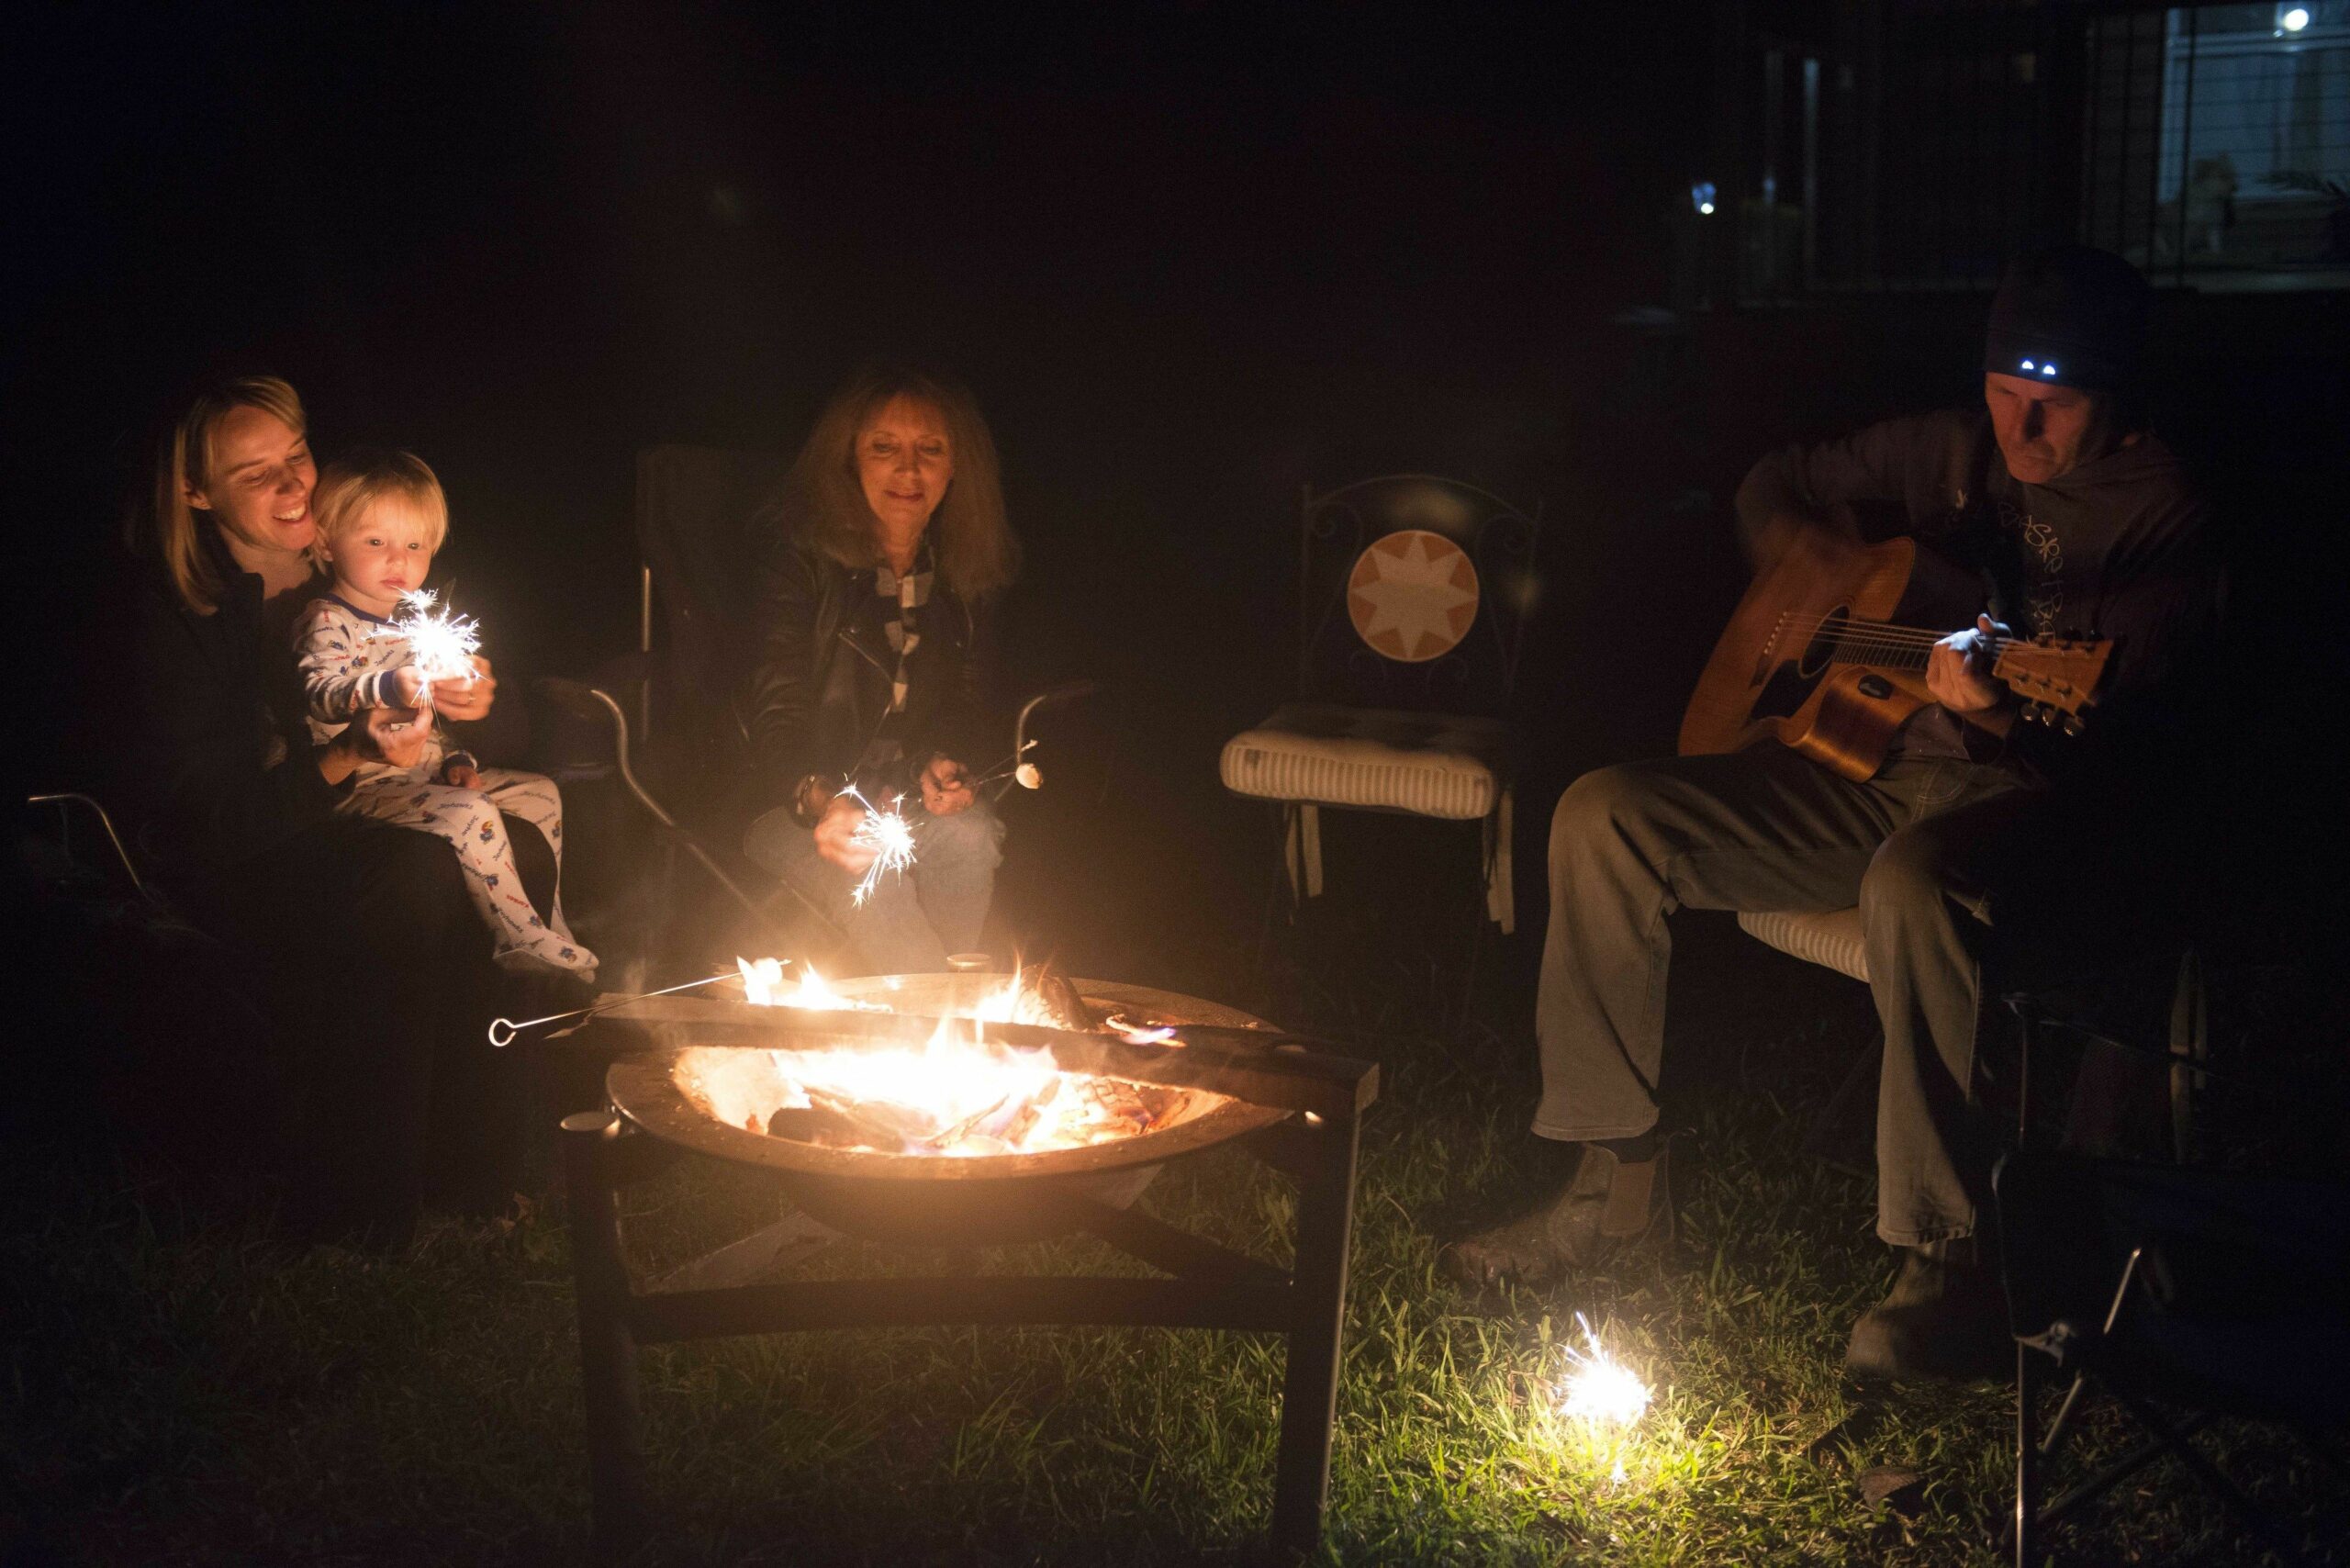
[1823, 646]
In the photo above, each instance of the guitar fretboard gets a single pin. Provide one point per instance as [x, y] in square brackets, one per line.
[1877, 643]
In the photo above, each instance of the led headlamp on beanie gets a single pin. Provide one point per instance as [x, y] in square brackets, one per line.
[2069, 315]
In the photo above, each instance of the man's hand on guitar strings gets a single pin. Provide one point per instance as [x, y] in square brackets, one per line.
[1958, 671]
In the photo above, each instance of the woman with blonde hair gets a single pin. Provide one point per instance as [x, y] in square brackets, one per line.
[372, 966]
[880, 559]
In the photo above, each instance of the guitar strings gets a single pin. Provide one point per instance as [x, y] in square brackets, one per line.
[1880, 630]
[1875, 634]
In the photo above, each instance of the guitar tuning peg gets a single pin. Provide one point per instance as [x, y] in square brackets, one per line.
[2074, 725]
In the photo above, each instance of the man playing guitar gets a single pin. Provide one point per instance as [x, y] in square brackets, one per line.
[2063, 519]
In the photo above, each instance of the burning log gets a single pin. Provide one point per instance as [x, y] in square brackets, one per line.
[1047, 992]
[961, 1093]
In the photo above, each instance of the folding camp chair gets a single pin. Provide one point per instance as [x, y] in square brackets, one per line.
[667, 711]
[2216, 1290]
[2219, 1293]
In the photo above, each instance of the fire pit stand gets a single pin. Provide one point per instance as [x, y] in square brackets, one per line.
[1314, 1141]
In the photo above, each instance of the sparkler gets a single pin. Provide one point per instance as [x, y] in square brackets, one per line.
[891, 838]
[1600, 1389]
[441, 644]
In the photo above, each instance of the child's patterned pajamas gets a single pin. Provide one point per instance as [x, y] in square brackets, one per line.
[347, 657]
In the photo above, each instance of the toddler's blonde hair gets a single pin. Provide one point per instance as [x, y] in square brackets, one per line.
[350, 486]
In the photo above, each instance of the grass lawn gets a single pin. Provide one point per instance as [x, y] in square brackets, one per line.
[196, 1390]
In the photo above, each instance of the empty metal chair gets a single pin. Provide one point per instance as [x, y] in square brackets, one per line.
[1414, 592]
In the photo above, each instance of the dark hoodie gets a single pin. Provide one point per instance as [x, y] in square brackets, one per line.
[2120, 548]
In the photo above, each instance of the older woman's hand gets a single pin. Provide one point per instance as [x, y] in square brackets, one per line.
[836, 836]
[461, 699]
[946, 787]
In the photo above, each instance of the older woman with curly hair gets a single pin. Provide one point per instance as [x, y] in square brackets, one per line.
[880, 555]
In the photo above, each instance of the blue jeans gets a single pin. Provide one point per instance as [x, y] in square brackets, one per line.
[912, 920]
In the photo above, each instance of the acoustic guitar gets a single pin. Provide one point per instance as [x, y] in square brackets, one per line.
[1814, 658]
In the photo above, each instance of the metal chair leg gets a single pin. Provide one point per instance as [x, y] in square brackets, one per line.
[2181, 1444]
[2027, 1518]
[1863, 1074]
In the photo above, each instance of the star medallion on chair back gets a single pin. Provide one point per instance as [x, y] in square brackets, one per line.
[1412, 595]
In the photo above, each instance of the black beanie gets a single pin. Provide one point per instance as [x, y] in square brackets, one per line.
[2070, 316]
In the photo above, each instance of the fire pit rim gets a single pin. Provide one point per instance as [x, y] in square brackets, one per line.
[644, 1090]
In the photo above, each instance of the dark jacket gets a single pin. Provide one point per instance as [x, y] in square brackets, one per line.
[216, 767]
[2120, 548]
[818, 688]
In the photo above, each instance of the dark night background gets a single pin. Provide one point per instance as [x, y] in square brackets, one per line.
[1188, 258]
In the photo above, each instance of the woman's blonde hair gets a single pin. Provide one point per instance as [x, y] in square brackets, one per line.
[822, 503]
[184, 461]
[350, 486]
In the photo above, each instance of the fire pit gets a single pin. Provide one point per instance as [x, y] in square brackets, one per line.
[719, 1079]
[686, 1096]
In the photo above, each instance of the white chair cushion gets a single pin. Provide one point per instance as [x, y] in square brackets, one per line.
[1431, 765]
[1831, 939]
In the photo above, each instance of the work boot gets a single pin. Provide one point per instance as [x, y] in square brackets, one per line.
[1610, 1207]
[1945, 1319]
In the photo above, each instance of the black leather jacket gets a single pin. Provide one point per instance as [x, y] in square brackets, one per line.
[820, 676]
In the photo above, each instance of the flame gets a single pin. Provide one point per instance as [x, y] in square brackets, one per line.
[1600, 1389]
[763, 987]
[957, 1093]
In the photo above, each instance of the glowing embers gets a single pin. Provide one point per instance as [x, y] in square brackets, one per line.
[957, 1093]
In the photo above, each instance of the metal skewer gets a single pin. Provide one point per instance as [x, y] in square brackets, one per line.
[609, 1002]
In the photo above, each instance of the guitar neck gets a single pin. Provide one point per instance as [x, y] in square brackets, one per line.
[1881, 644]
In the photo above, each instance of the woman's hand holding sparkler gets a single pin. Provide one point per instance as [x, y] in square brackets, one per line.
[466, 697]
[837, 838]
[442, 642]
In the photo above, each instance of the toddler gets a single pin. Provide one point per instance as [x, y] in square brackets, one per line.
[380, 517]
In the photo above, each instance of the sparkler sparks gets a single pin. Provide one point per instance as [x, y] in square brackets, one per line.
[891, 838]
[1600, 1389]
[441, 644]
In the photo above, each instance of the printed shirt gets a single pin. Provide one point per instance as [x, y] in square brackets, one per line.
[347, 658]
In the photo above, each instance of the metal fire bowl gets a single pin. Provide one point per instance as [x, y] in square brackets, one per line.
[939, 1200]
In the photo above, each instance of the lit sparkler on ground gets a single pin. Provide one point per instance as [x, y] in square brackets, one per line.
[441, 644]
[1600, 1389]
[891, 838]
